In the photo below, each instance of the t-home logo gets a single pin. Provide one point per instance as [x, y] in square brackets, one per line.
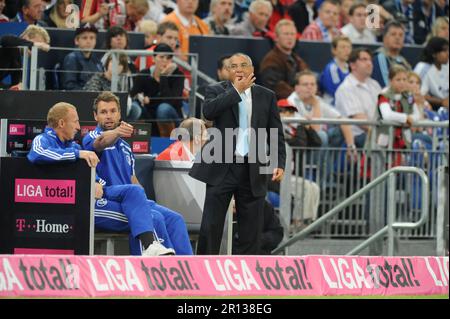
[44, 226]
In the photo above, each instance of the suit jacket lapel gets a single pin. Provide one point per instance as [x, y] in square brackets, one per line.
[235, 109]
[253, 120]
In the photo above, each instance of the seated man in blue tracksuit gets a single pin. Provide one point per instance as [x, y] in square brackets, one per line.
[56, 145]
[116, 167]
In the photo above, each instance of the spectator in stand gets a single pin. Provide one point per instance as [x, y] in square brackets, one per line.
[279, 66]
[30, 12]
[136, 10]
[439, 29]
[356, 29]
[168, 33]
[79, 66]
[3, 18]
[219, 16]
[426, 12]
[433, 70]
[103, 13]
[148, 28]
[279, 12]
[417, 17]
[324, 27]
[403, 12]
[187, 22]
[396, 104]
[337, 69]
[389, 54]
[11, 55]
[310, 106]
[193, 136]
[414, 88]
[56, 15]
[162, 87]
[117, 39]
[255, 22]
[356, 98]
[303, 12]
[102, 81]
[344, 15]
[222, 74]
[443, 5]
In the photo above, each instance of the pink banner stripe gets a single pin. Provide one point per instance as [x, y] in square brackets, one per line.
[140, 147]
[39, 251]
[53, 191]
[103, 276]
[17, 129]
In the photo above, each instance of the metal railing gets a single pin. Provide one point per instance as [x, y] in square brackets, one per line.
[388, 229]
[337, 177]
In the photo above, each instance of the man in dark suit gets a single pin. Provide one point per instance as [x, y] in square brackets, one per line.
[237, 165]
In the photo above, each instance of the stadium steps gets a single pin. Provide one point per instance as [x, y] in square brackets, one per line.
[319, 246]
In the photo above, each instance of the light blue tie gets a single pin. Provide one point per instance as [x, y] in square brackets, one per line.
[242, 143]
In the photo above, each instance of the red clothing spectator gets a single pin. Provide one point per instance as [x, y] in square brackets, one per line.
[316, 32]
[279, 12]
[399, 142]
[324, 27]
[175, 152]
[148, 60]
[103, 14]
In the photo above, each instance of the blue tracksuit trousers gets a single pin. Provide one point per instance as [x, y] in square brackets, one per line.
[126, 208]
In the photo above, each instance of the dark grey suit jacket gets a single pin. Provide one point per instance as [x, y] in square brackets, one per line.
[222, 107]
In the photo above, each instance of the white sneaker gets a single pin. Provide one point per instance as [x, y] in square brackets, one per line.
[156, 249]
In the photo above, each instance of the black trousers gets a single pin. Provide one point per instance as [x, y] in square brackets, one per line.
[249, 210]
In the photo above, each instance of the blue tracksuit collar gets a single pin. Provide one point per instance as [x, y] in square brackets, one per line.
[52, 133]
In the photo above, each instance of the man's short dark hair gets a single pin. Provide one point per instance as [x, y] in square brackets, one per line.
[164, 26]
[106, 96]
[392, 24]
[87, 27]
[112, 32]
[333, 2]
[23, 3]
[355, 6]
[163, 48]
[221, 60]
[434, 45]
[339, 38]
[354, 56]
